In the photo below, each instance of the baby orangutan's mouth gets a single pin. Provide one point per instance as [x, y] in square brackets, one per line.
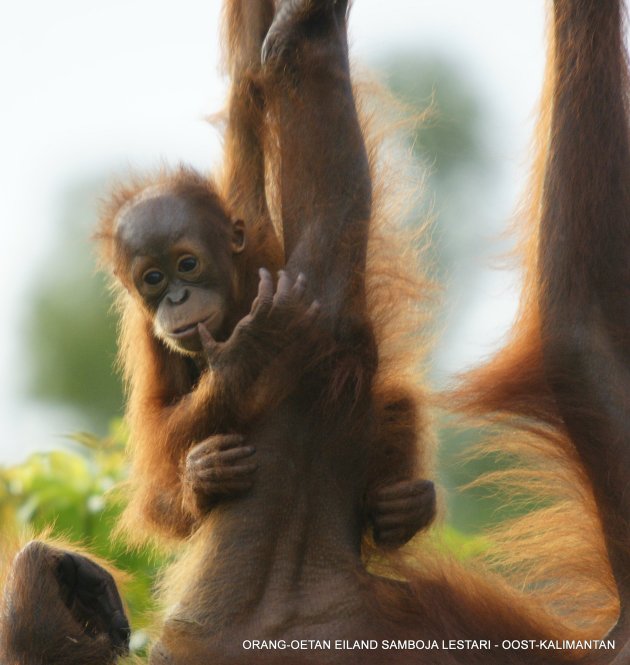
[189, 329]
[184, 329]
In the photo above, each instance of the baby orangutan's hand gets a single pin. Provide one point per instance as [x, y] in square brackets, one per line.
[219, 467]
[399, 510]
[276, 320]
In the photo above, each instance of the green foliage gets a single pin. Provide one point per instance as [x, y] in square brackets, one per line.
[74, 492]
[72, 332]
[462, 545]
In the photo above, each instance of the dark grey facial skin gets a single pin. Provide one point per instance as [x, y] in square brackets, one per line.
[181, 269]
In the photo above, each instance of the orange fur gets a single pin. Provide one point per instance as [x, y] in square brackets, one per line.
[540, 405]
[555, 396]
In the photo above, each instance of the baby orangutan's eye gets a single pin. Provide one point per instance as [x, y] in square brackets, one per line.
[187, 264]
[153, 277]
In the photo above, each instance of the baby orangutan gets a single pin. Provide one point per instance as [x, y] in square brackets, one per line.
[212, 328]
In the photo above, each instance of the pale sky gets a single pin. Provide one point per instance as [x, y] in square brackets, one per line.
[90, 87]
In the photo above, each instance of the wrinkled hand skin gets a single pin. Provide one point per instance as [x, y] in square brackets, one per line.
[400, 510]
[220, 467]
[274, 321]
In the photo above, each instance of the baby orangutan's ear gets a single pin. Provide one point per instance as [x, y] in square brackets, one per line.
[238, 236]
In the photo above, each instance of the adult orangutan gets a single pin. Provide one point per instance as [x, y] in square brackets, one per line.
[283, 561]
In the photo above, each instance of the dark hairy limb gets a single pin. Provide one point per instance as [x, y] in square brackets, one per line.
[325, 184]
[584, 248]
[61, 607]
